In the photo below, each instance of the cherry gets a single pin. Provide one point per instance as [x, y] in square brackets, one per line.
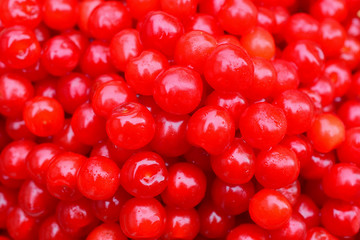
[109, 95]
[35, 200]
[44, 116]
[342, 181]
[301, 26]
[295, 228]
[229, 68]
[21, 12]
[327, 132]
[46, 88]
[143, 218]
[20, 225]
[349, 52]
[141, 71]
[186, 186]
[85, 9]
[319, 232]
[340, 218]
[98, 178]
[60, 15]
[193, 49]
[348, 151]
[214, 223]
[318, 165]
[127, 119]
[35, 72]
[78, 38]
[106, 231]
[300, 146]
[277, 167]
[60, 55]
[139, 8]
[340, 75]
[324, 87]
[247, 231]
[50, 230]
[199, 157]
[269, 209]
[211, 128]
[178, 90]
[179, 8]
[62, 175]
[233, 102]
[13, 159]
[287, 76]
[75, 217]
[19, 47]
[236, 165]
[349, 113]
[298, 109]
[88, 127]
[181, 223]
[123, 46]
[337, 9]
[237, 16]
[263, 125]
[14, 92]
[96, 59]
[228, 39]
[308, 210]
[160, 31]
[205, 23]
[109, 210]
[233, 199]
[332, 37]
[266, 19]
[8, 202]
[39, 159]
[264, 80]
[307, 56]
[211, 7]
[73, 90]
[67, 140]
[291, 191]
[259, 43]
[104, 78]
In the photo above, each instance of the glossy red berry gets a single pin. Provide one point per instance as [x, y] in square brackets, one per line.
[141, 71]
[186, 186]
[307, 208]
[139, 8]
[76, 217]
[301, 26]
[287, 76]
[39, 159]
[44, 116]
[178, 90]
[236, 165]
[307, 56]
[21, 12]
[205, 23]
[291, 191]
[143, 218]
[110, 95]
[19, 47]
[181, 223]
[85, 10]
[60, 55]
[123, 46]
[318, 165]
[13, 159]
[211, 128]
[60, 15]
[298, 109]
[14, 92]
[294, 229]
[107, 231]
[247, 231]
[35, 200]
[128, 119]
[336, 9]
[263, 125]
[62, 174]
[98, 178]
[259, 43]
[319, 232]
[269, 209]
[108, 210]
[214, 223]
[50, 230]
[8, 202]
[179, 8]
[348, 151]
[349, 113]
[88, 127]
[340, 75]
[160, 31]
[327, 132]
[237, 16]
[332, 37]
[20, 225]
[233, 199]
[340, 218]
[229, 68]
[193, 48]
[73, 90]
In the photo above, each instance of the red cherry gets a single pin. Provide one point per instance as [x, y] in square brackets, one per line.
[20, 225]
[60, 15]
[106, 231]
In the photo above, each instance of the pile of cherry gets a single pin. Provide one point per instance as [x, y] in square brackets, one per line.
[180, 119]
